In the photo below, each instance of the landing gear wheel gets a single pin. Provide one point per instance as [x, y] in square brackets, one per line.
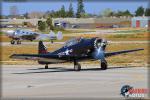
[46, 66]
[77, 67]
[103, 65]
[52, 41]
[12, 42]
[18, 42]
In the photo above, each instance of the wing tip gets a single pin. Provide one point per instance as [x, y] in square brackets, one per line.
[141, 49]
[13, 56]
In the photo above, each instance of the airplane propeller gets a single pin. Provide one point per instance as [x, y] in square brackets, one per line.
[99, 46]
[99, 52]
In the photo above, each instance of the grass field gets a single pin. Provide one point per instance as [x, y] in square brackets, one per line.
[132, 34]
[137, 58]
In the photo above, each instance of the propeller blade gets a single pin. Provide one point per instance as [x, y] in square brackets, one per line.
[98, 54]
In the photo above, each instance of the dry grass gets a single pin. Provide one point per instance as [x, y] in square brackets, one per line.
[137, 58]
[133, 34]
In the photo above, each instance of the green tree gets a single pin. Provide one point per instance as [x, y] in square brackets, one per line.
[107, 12]
[147, 12]
[80, 9]
[139, 11]
[26, 15]
[41, 25]
[62, 11]
[49, 23]
[70, 12]
[122, 13]
[127, 13]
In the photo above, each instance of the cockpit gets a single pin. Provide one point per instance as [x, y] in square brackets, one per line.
[17, 31]
[73, 41]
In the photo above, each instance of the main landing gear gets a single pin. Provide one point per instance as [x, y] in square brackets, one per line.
[46, 66]
[17, 42]
[103, 64]
[52, 41]
[77, 66]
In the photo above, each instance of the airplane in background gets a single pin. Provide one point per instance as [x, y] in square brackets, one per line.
[74, 50]
[19, 34]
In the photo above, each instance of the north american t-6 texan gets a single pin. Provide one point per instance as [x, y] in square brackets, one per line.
[74, 50]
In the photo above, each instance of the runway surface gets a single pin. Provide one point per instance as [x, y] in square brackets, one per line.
[60, 81]
[48, 43]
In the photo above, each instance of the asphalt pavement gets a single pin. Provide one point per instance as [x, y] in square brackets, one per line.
[61, 81]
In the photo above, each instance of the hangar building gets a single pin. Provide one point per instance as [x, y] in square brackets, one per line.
[140, 22]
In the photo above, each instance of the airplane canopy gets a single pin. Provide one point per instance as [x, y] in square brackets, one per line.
[73, 41]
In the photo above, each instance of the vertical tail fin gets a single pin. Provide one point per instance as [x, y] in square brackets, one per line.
[42, 48]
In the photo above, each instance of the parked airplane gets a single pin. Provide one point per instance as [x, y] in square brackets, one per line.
[19, 35]
[74, 50]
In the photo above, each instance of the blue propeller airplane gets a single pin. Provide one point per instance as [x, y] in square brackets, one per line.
[74, 50]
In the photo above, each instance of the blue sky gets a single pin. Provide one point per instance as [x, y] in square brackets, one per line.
[94, 7]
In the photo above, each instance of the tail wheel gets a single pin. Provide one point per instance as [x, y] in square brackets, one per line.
[103, 65]
[12, 42]
[77, 67]
[46, 66]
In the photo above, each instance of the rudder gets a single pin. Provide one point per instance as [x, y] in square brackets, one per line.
[41, 48]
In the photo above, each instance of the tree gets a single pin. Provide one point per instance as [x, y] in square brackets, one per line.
[122, 13]
[80, 9]
[49, 23]
[70, 12]
[62, 11]
[147, 12]
[35, 14]
[41, 25]
[107, 12]
[26, 15]
[139, 11]
[127, 13]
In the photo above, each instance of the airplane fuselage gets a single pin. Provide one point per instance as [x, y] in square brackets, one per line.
[81, 51]
[75, 50]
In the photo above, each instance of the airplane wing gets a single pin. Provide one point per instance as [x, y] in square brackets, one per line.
[34, 56]
[108, 54]
[47, 57]
[42, 37]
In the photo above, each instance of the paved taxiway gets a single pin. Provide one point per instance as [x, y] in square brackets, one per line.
[61, 81]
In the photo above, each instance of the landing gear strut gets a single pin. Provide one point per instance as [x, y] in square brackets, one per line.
[77, 66]
[17, 41]
[12, 41]
[52, 41]
[104, 65]
[46, 66]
